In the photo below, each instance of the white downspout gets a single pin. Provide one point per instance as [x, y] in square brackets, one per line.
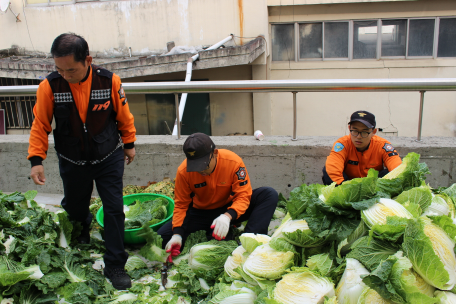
[188, 77]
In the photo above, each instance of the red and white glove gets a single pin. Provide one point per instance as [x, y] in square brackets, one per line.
[221, 225]
[173, 247]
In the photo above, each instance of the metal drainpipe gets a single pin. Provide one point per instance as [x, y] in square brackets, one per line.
[188, 77]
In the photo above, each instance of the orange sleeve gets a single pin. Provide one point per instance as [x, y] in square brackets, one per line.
[335, 162]
[41, 127]
[182, 199]
[391, 159]
[242, 190]
[125, 120]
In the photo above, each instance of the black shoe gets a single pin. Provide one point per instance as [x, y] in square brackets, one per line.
[118, 277]
[84, 237]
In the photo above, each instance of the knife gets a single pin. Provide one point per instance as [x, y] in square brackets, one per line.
[164, 274]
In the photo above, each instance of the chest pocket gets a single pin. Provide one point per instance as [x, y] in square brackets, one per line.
[107, 140]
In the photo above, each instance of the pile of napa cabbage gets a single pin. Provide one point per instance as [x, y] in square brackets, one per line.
[369, 240]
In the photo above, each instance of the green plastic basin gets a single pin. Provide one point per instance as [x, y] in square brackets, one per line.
[130, 236]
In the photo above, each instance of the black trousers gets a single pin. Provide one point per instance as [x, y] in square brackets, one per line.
[328, 181]
[78, 187]
[259, 214]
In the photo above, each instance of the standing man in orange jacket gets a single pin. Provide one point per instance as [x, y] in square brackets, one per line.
[212, 191]
[353, 155]
[93, 120]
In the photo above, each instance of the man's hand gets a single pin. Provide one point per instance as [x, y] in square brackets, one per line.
[129, 155]
[173, 247]
[37, 174]
[221, 225]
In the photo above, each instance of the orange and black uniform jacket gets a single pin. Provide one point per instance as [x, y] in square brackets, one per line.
[44, 111]
[229, 182]
[344, 157]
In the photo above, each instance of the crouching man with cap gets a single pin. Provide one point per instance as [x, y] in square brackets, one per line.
[353, 155]
[213, 191]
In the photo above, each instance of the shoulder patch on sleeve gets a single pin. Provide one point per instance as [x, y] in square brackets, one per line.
[388, 147]
[241, 173]
[338, 147]
[121, 92]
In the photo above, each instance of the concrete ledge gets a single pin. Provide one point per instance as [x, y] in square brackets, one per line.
[39, 68]
[277, 161]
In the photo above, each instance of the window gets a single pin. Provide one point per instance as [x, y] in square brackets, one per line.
[407, 38]
[310, 40]
[394, 34]
[421, 37]
[283, 45]
[336, 39]
[365, 39]
[447, 36]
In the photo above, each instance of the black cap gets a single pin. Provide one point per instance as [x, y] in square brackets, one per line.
[364, 117]
[197, 149]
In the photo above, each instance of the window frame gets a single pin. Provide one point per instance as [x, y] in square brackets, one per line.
[379, 39]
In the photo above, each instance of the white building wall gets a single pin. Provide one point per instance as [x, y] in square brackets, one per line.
[111, 27]
[328, 113]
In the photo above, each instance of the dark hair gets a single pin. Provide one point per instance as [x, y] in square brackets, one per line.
[70, 44]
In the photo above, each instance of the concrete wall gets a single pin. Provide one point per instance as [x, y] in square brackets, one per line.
[327, 114]
[230, 113]
[277, 161]
[110, 27]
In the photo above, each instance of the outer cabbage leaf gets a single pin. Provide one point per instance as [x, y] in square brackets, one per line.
[371, 252]
[153, 249]
[409, 174]
[355, 190]
[250, 241]
[421, 196]
[351, 286]
[431, 252]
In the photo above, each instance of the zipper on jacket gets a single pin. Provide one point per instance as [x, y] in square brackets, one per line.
[86, 142]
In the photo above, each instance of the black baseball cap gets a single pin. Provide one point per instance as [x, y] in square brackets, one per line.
[364, 117]
[197, 149]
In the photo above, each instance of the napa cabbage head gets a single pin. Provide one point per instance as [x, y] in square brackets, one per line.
[265, 262]
[445, 297]
[297, 232]
[441, 204]
[250, 241]
[238, 256]
[378, 213]
[370, 296]
[431, 252]
[210, 255]
[227, 295]
[303, 286]
[409, 284]
[351, 284]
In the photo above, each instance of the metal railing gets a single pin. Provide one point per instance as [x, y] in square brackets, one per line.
[18, 109]
[267, 86]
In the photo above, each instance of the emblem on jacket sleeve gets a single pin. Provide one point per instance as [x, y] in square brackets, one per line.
[121, 92]
[388, 147]
[338, 147]
[241, 173]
